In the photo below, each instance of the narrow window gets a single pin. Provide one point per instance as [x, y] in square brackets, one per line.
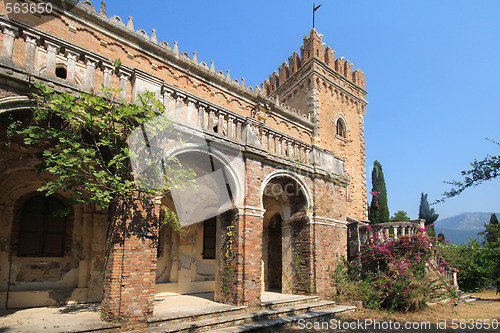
[61, 73]
[209, 229]
[340, 128]
[42, 233]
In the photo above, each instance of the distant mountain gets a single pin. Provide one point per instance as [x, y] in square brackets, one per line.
[459, 228]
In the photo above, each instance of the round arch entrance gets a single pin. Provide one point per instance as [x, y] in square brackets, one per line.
[186, 261]
[285, 202]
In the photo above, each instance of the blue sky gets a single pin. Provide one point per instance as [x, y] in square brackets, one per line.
[431, 67]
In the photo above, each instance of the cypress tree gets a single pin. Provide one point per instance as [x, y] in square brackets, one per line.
[379, 209]
[493, 219]
[427, 213]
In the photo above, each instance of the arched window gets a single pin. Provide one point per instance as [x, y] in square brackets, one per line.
[340, 128]
[41, 230]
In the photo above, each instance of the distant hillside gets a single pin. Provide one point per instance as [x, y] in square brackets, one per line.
[459, 228]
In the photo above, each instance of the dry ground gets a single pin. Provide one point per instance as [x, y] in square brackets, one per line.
[469, 314]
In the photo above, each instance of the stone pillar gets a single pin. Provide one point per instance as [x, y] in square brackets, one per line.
[129, 278]
[238, 273]
[211, 120]
[179, 103]
[167, 97]
[9, 36]
[201, 116]
[71, 57]
[238, 130]
[270, 140]
[108, 70]
[252, 257]
[220, 124]
[190, 109]
[91, 64]
[230, 127]
[52, 50]
[30, 53]
[124, 78]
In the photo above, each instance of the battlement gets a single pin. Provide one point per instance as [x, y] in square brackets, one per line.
[313, 48]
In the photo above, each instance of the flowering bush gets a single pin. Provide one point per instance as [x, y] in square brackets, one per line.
[395, 275]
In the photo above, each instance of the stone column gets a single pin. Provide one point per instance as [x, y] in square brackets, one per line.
[52, 50]
[220, 124]
[71, 57]
[238, 130]
[30, 53]
[108, 70]
[211, 115]
[230, 127]
[91, 64]
[129, 278]
[167, 97]
[201, 116]
[190, 109]
[270, 140]
[124, 78]
[9, 36]
[179, 103]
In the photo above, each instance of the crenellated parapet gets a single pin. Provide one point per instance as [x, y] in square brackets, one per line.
[313, 48]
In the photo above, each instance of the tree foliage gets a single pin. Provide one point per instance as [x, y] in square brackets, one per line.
[400, 216]
[492, 231]
[427, 213]
[481, 171]
[379, 209]
[84, 142]
[478, 263]
[493, 219]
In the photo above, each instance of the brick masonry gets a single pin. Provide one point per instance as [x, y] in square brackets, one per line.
[302, 100]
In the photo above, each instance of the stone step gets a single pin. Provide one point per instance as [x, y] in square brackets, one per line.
[242, 319]
[289, 321]
[468, 298]
[174, 319]
[294, 300]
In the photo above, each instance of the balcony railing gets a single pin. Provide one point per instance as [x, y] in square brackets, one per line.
[44, 55]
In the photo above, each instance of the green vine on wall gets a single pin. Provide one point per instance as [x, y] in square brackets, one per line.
[228, 268]
[170, 218]
[300, 277]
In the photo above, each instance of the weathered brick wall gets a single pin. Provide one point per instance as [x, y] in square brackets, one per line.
[330, 245]
[130, 273]
[314, 83]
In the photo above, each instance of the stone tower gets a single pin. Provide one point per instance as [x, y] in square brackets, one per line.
[332, 96]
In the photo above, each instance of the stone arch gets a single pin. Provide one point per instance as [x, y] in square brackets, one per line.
[286, 201]
[17, 103]
[235, 166]
[289, 174]
[341, 116]
[194, 270]
[54, 278]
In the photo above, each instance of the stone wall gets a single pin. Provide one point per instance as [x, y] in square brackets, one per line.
[285, 131]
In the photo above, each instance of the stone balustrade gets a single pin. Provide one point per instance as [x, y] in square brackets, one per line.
[386, 232]
[85, 70]
[390, 230]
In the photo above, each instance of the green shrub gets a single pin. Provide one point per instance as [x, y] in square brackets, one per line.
[477, 262]
[394, 275]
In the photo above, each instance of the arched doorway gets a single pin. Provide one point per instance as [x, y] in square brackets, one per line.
[187, 256]
[284, 234]
[272, 236]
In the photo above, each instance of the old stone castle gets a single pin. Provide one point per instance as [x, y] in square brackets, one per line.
[302, 129]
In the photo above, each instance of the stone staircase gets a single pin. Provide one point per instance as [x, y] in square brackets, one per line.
[272, 315]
